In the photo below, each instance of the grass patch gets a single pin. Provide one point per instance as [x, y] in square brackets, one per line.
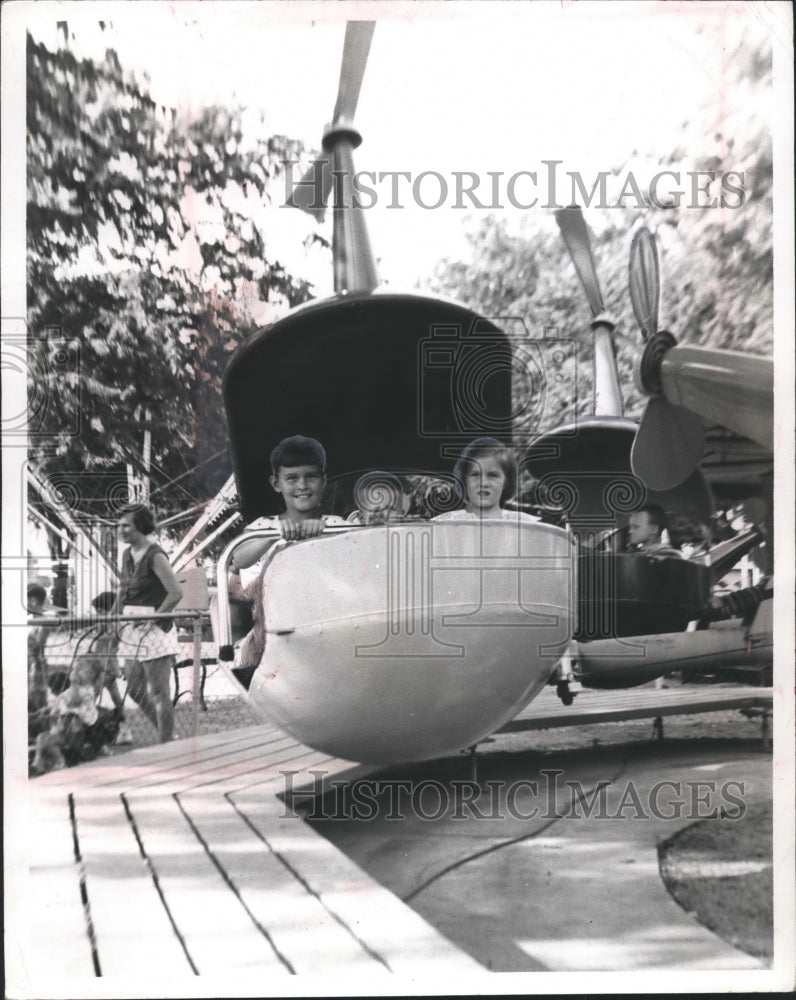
[720, 870]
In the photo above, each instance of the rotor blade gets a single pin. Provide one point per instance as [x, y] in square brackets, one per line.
[311, 193]
[358, 35]
[730, 388]
[576, 236]
[645, 283]
[668, 445]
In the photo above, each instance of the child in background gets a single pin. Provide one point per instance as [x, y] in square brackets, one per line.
[38, 690]
[71, 713]
[645, 529]
[486, 474]
[298, 474]
[379, 497]
[106, 644]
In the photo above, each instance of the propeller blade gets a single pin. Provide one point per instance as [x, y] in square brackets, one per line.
[576, 236]
[668, 445]
[311, 193]
[645, 282]
[358, 36]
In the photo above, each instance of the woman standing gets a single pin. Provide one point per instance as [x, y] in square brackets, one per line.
[148, 584]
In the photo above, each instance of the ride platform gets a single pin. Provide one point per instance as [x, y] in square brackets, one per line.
[591, 707]
[182, 860]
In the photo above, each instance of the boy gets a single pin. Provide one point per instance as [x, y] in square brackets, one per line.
[298, 473]
[37, 665]
[645, 528]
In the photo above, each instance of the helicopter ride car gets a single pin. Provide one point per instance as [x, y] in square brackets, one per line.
[608, 467]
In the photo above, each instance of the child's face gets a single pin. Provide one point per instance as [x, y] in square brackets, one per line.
[301, 487]
[484, 483]
[641, 530]
[389, 507]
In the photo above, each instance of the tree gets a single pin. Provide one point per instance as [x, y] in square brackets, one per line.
[146, 268]
[718, 282]
[528, 276]
[716, 262]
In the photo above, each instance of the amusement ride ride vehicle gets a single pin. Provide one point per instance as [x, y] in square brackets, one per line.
[408, 641]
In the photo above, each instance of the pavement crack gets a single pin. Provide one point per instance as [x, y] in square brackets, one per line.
[477, 855]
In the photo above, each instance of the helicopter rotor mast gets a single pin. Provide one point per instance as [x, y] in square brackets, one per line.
[354, 263]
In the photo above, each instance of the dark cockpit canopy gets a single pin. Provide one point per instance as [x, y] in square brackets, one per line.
[384, 381]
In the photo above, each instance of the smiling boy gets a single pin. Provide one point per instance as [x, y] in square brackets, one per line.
[298, 474]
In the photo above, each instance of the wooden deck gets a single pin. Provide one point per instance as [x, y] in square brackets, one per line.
[181, 860]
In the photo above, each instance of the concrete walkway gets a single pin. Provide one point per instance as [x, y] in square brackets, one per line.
[554, 864]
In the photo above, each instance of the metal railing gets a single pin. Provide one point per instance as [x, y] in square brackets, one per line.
[225, 647]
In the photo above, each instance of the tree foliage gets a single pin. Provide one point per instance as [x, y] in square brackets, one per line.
[146, 268]
[716, 262]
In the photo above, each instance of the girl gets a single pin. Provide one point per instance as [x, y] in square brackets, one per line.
[486, 474]
[72, 712]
